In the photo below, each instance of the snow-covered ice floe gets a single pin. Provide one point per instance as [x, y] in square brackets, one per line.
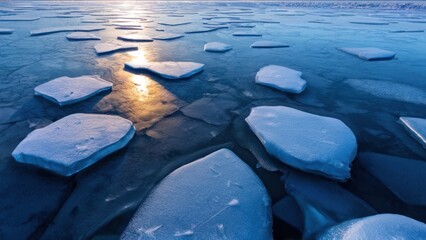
[215, 197]
[369, 53]
[79, 36]
[173, 23]
[389, 90]
[104, 48]
[74, 142]
[169, 70]
[416, 127]
[380, 226]
[43, 31]
[167, 36]
[217, 47]
[404, 177]
[281, 78]
[268, 44]
[18, 18]
[66, 90]
[6, 31]
[135, 37]
[246, 34]
[305, 141]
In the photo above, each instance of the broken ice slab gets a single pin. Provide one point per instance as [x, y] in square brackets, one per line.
[268, 44]
[169, 70]
[65, 90]
[135, 37]
[80, 36]
[306, 141]
[167, 36]
[44, 31]
[416, 127]
[369, 53]
[404, 177]
[74, 142]
[204, 29]
[18, 18]
[105, 48]
[281, 78]
[217, 47]
[215, 197]
[6, 31]
[380, 226]
[246, 34]
[173, 22]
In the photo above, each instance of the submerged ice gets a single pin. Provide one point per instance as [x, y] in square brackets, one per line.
[416, 127]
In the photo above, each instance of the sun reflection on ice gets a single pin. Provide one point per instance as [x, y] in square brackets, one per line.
[142, 84]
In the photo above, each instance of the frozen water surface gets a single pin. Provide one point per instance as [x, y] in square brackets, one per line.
[178, 122]
[416, 127]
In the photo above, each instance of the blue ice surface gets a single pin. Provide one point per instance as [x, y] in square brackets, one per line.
[215, 197]
[97, 202]
[380, 226]
[322, 203]
[404, 177]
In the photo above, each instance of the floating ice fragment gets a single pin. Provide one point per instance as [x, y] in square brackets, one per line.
[247, 34]
[6, 31]
[79, 36]
[198, 204]
[268, 44]
[381, 226]
[173, 22]
[169, 70]
[74, 142]
[416, 127]
[104, 48]
[305, 141]
[281, 78]
[43, 31]
[167, 36]
[135, 38]
[18, 18]
[217, 47]
[369, 53]
[66, 90]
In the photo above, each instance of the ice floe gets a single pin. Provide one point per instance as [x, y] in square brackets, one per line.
[369, 53]
[217, 47]
[404, 177]
[204, 29]
[215, 197]
[247, 34]
[135, 37]
[321, 202]
[6, 31]
[43, 31]
[389, 90]
[104, 48]
[79, 36]
[169, 70]
[268, 44]
[18, 18]
[74, 142]
[173, 22]
[381, 226]
[416, 127]
[281, 78]
[167, 36]
[66, 90]
[305, 141]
